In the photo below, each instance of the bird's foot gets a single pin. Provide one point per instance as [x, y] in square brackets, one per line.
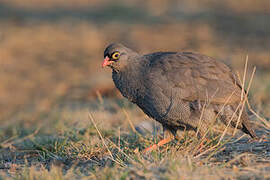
[155, 146]
[259, 139]
[202, 145]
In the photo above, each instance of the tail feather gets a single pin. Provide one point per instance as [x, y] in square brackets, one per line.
[247, 127]
[248, 130]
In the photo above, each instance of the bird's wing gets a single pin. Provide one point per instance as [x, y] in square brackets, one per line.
[193, 77]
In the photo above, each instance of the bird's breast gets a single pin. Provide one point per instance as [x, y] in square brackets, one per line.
[128, 86]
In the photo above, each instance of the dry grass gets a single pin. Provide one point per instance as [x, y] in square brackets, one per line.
[51, 79]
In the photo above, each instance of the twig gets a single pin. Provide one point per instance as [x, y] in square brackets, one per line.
[246, 96]
[121, 151]
[119, 138]
[267, 124]
[99, 96]
[239, 138]
[200, 121]
[243, 97]
[104, 143]
[129, 121]
[244, 79]
[235, 159]
[227, 126]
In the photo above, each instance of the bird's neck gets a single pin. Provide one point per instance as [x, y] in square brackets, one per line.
[127, 80]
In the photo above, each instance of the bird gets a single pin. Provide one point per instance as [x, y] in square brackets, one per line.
[180, 90]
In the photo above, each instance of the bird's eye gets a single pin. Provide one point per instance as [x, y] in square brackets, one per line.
[116, 55]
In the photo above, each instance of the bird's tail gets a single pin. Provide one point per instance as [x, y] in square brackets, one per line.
[247, 127]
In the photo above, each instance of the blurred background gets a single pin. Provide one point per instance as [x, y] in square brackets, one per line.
[51, 50]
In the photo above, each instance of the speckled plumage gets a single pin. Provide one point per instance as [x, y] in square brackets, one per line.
[173, 87]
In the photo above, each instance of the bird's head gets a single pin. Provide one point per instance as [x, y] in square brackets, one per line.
[117, 56]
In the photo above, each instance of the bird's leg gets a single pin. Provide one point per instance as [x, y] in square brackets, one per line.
[201, 132]
[168, 137]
